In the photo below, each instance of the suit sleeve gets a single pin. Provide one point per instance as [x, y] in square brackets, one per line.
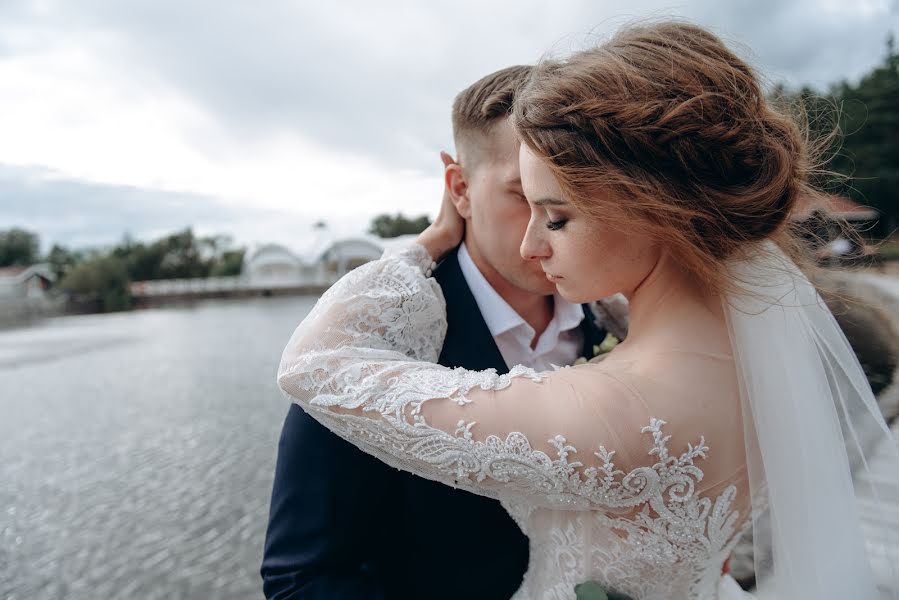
[318, 539]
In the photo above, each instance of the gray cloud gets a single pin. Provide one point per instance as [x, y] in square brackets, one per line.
[802, 43]
[283, 69]
[85, 214]
[378, 80]
[370, 79]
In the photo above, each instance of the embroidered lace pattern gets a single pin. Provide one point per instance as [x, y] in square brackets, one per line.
[361, 364]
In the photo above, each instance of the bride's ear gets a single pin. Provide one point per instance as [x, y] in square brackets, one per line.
[457, 186]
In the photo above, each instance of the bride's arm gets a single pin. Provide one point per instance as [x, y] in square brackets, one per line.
[362, 363]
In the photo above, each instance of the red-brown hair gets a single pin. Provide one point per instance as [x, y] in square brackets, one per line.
[667, 131]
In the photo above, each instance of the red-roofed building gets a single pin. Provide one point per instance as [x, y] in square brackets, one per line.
[23, 293]
[824, 222]
[25, 282]
[834, 207]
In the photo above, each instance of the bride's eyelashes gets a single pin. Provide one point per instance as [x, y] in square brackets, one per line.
[556, 225]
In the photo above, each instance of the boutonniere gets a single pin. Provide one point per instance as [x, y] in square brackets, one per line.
[590, 590]
[600, 350]
[607, 345]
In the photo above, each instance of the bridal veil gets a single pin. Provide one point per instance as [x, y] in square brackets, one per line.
[811, 425]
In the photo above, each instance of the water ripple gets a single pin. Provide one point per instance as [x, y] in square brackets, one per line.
[138, 450]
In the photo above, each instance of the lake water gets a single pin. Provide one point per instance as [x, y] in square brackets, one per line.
[137, 451]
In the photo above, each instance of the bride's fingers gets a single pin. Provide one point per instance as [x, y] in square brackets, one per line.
[449, 226]
[448, 215]
[448, 207]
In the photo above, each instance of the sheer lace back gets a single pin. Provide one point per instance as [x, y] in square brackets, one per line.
[629, 472]
[671, 540]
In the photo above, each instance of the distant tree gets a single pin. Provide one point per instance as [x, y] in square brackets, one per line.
[181, 256]
[859, 122]
[387, 226]
[869, 120]
[320, 225]
[176, 256]
[102, 278]
[228, 264]
[143, 261]
[61, 260]
[18, 247]
[212, 246]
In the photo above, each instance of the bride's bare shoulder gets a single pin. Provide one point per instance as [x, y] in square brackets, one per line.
[662, 381]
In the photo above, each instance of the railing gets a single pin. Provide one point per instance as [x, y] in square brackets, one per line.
[215, 285]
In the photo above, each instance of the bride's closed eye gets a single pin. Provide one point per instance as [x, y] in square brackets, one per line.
[548, 207]
[555, 225]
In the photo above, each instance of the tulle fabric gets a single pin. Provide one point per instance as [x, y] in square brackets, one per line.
[811, 423]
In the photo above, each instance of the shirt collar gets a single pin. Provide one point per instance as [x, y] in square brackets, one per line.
[569, 315]
[499, 316]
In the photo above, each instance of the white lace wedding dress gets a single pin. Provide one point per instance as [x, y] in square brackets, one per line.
[628, 474]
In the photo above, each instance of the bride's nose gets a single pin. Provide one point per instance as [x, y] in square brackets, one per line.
[534, 246]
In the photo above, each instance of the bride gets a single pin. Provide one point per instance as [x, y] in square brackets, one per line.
[654, 167]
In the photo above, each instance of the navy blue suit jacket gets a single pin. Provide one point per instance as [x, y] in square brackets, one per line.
[343, 525]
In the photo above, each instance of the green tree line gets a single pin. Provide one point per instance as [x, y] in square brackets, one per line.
[869, 155]
[391, 226]
[103, 277]
[859, 123]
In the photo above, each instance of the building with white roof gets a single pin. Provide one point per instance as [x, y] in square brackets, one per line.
[23, 293]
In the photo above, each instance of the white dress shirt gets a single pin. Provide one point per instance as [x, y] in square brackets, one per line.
[560, 344]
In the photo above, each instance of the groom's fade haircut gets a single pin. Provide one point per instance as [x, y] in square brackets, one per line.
[480, 106]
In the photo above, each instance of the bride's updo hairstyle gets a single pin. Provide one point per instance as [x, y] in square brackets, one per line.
[665, 131]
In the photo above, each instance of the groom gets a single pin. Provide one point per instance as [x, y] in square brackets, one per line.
[344, 525]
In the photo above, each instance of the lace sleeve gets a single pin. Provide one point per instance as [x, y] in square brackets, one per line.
[362, 364]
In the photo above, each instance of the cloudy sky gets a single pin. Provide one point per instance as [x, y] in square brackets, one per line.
[260, 117]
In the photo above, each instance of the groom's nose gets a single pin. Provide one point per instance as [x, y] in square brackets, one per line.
[533, 246]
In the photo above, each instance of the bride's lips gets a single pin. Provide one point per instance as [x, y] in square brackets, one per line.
[553, 278]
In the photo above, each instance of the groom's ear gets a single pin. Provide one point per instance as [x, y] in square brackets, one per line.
[457, 186]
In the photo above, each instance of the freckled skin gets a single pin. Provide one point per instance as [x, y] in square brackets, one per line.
[587, 258]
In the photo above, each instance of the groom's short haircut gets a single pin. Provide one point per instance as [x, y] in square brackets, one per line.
[481, 105]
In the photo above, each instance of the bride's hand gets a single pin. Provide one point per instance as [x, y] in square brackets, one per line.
[447, 230]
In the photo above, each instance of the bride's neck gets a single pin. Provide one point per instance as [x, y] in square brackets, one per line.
[669, 302]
